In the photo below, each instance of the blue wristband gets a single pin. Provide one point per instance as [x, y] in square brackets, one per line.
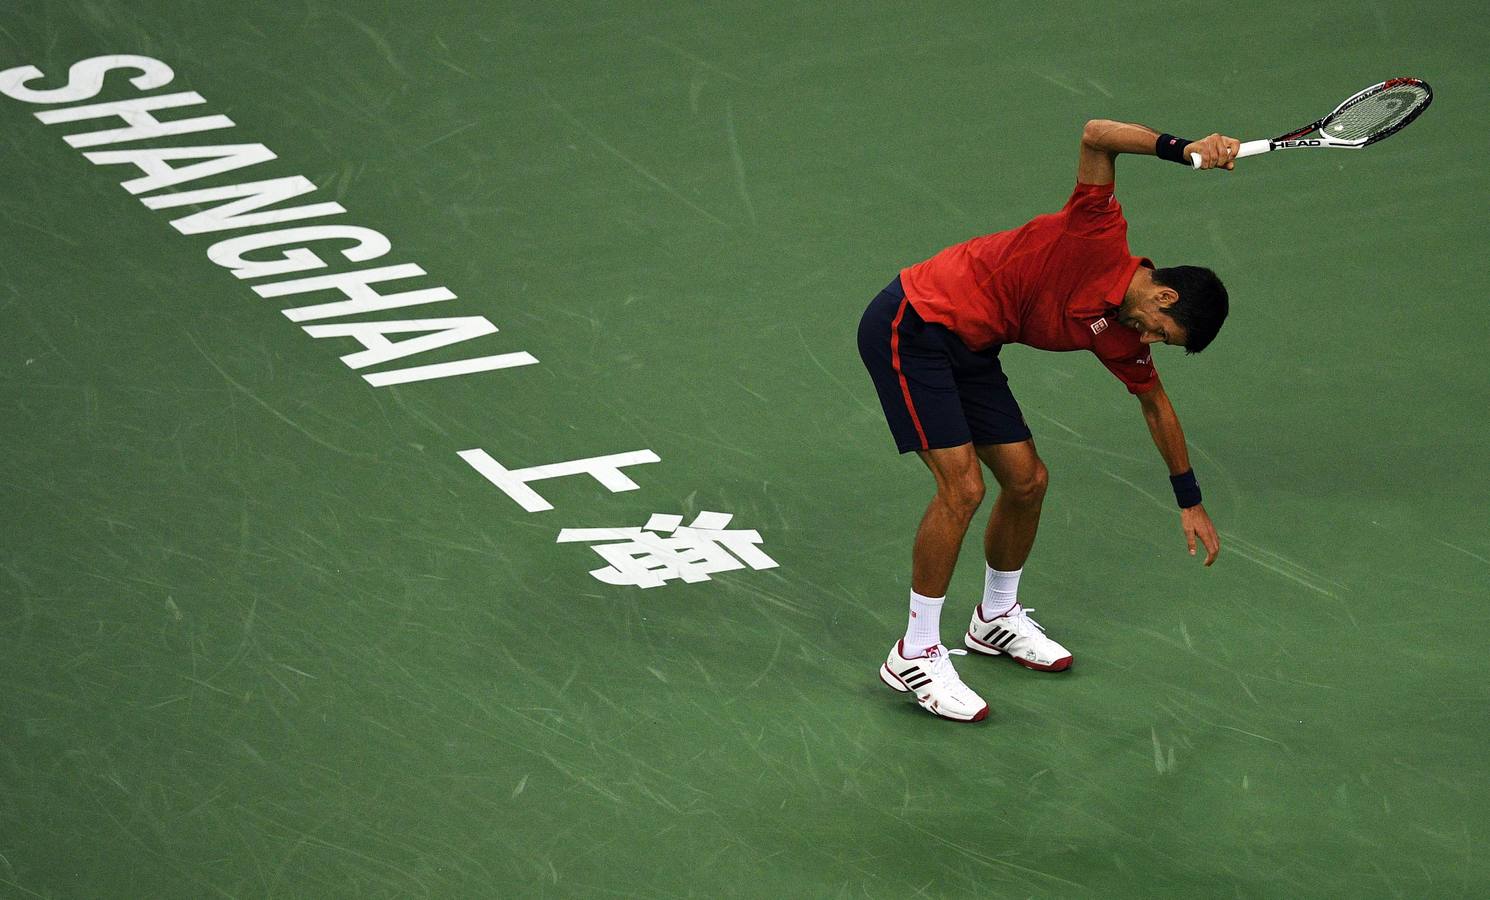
[1186, 491]
[1171, 148]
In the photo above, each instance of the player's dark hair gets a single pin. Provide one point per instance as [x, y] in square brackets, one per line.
[1202, 305]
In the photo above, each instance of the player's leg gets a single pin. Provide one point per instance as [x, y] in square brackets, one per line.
[912, 376]
[1000, 625]
[1015, 517]
[911, 365]
[959, 493]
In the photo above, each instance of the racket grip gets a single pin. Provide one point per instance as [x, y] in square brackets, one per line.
[1248, 148]
[1253, 148]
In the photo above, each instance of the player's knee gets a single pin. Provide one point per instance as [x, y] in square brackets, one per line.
[1028, 489]
[964, 493]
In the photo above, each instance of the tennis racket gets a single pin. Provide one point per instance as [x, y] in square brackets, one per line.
[1374, 114]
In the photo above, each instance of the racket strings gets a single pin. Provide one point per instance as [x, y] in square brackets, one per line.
[1375, 114]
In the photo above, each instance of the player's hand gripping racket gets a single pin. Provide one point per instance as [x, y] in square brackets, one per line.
[1378, 112]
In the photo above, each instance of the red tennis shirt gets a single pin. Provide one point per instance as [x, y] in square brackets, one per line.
[1053, 283]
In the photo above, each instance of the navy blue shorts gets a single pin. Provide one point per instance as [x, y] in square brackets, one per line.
[935, 391]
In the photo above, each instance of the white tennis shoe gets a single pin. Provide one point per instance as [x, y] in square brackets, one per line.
[1021, 637]
[935, 683]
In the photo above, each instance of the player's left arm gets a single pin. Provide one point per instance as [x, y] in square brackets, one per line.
[1164, 425]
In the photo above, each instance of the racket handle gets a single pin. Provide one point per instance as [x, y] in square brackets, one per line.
[1253, 148]
[1248, 148]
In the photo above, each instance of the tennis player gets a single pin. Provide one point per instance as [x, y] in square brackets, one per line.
[1063, 281]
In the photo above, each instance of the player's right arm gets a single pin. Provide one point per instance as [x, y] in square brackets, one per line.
[1103, 139]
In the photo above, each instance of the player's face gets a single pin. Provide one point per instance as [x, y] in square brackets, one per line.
[1153, 324]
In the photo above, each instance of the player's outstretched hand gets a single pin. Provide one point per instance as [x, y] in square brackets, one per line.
[1197, 525]
[1216, 152]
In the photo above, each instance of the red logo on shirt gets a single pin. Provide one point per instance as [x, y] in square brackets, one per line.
[1099, 326]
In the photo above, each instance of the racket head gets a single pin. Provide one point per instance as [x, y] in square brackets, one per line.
[1376, 113]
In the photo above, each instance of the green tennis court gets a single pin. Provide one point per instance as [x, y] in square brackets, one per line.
[373, 600]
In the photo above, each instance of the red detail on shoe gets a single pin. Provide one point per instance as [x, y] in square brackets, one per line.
[1059, 665]
[978, 716]
[900, 649]
[978, 611]
[905, 389]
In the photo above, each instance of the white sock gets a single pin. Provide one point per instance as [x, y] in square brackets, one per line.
[1000, 592]
[924, 629]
